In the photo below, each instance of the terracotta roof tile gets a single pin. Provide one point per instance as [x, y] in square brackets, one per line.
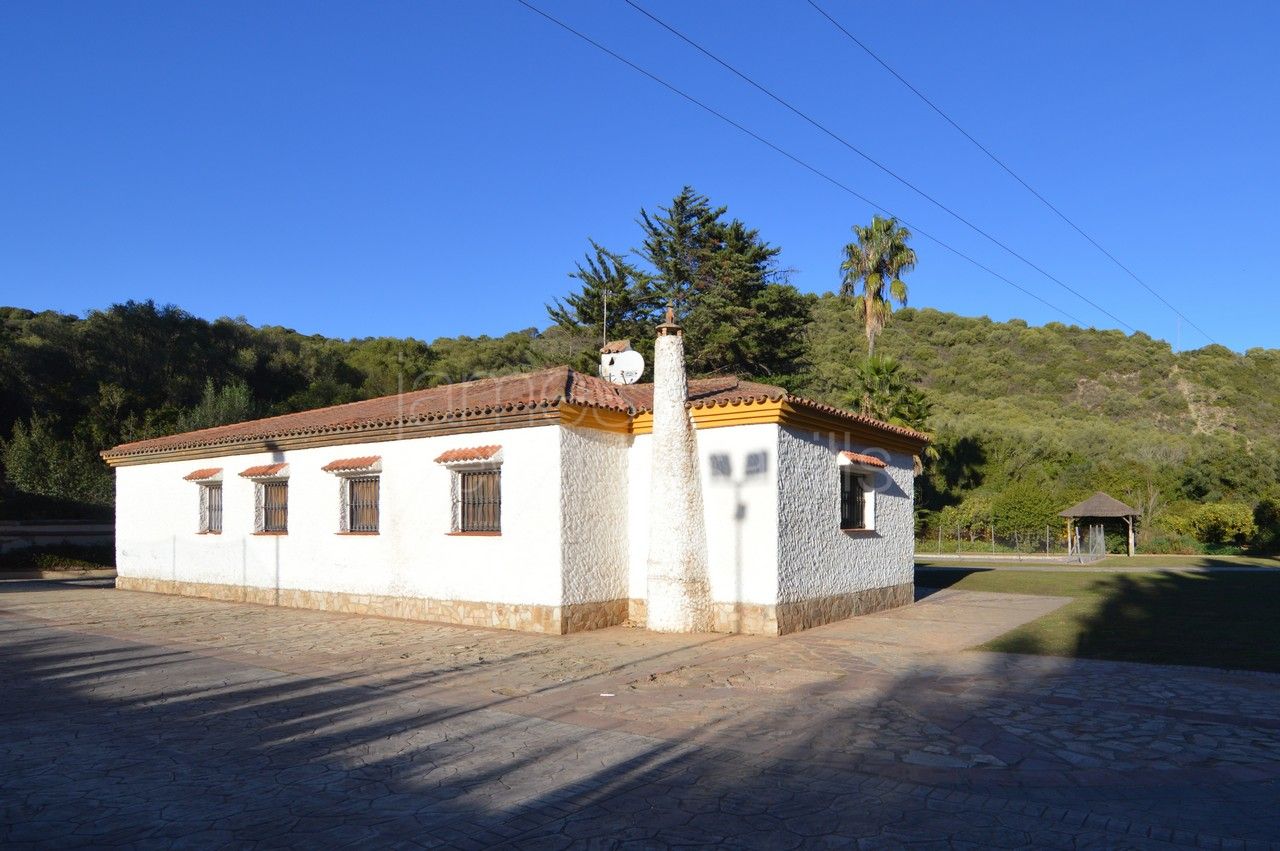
[515, 395]
[511, 395]
[473, 453]
[614, 346]
[203, 474]
[263, 470]
[859, 458]
[347, 465]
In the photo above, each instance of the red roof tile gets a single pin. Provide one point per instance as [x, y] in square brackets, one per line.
[343, 465]
[859, 458]
[513, 395]
[202, 474]
[474, 453]
[264, 470]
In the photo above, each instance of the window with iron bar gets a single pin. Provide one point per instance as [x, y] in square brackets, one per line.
[211, 508]
[853, 500]
[275, 506]
[479, 498]
[362, 504]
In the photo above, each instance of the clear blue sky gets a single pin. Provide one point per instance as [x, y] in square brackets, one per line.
[431, 168]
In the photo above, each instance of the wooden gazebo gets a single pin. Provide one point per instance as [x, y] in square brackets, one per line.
[1101, 506]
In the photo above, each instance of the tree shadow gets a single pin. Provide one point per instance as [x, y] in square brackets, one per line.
[1221, 620]
[930, 580]
[748, 743]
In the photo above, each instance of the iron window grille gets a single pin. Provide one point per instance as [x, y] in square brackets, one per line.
[275, 506]
[362, 504]
[853, 500]
[479, 501]
[211, 503]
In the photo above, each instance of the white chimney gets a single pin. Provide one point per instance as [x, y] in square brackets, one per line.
[679, 597]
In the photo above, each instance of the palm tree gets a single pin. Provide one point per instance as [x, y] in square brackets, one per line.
[885, 390]
[878, 259]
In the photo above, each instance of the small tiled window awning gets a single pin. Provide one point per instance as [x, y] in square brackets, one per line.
[206, 474]
[472, 453]
[865, 460]
[266, 471]
[363, 464]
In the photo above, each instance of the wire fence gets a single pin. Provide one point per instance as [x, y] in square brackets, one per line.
[989, 540]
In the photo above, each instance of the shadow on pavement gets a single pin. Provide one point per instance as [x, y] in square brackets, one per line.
[104, 741]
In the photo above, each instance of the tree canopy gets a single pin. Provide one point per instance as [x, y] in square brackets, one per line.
[721, 278]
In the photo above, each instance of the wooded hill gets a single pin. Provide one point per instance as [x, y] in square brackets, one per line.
[1027, 419]
[1044, 416]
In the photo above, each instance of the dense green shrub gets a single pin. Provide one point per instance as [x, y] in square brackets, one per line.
[1224, 523]
[1170, 543]
[54, 556]
[1266, 517]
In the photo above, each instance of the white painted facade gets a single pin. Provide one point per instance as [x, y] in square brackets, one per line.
[580, 504]
[412, 556]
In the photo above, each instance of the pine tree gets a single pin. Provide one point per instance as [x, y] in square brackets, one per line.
[719, 276]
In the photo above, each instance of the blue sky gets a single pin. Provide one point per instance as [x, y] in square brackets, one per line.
[433, 168]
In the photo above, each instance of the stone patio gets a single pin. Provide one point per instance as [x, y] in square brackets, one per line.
[152, 721]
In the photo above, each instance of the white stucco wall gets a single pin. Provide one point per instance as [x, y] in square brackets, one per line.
[815, 558]
[575, 521]
[157, 524]
[741, 513]
[595, 514]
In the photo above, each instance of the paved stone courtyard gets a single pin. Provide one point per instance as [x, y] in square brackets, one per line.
[143, 720]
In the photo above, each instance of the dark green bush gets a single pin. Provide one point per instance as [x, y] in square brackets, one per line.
[55, 556]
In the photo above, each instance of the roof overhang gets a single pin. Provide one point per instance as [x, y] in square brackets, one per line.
[791, 412]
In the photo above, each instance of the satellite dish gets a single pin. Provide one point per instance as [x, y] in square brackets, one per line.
[624, 367]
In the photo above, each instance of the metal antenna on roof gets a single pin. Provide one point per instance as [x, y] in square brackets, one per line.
[604, 320]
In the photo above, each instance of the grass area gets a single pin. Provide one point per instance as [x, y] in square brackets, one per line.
[1189, 561]
[1139, 561]
[1219, 620]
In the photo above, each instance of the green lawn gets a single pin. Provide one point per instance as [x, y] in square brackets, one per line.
[1221, 620]
[1140, 561]
[1189, 561]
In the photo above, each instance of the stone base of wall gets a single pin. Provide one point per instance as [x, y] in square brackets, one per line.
[749, 618]
[579, 617]
[551, 620]
[760, 619]
[806, 614]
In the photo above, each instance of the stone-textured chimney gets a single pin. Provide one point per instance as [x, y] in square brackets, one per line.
[678, 590]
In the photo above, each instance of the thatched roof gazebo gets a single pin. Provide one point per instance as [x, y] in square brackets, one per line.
[1101, 506]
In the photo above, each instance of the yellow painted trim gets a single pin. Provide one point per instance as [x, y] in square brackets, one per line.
[824, 423]
[774, 412]
[597, 418]
[783, 413]
[720, 416]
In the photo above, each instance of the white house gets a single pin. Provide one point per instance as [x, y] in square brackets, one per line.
[550, 501]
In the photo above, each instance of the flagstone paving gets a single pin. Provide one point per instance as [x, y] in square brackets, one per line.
[149, 721]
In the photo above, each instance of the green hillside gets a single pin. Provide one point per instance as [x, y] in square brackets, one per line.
[1026, 419]
[1065, 411]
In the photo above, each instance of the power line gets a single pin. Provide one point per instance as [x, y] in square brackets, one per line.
[835, 182]
[884, 168]
[1006, 168]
